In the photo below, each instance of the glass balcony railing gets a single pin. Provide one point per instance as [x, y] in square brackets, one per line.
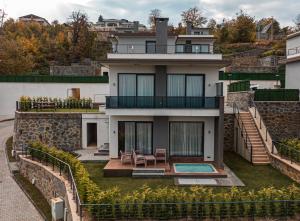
[162, 49]
[116, 102]
[293, 51]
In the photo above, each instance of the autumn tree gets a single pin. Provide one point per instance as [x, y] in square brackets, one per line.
[195, 16]
[154, 13]
[262, 23]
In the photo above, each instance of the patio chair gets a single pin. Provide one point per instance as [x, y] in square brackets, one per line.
[160, 154]
[126, 157]
[138, 159]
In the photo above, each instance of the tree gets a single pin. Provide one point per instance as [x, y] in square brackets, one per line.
[82, 38]
[212, 24]
[154, 13]
[297, 22]
[100, 18]
[242, 28]
[195, 16]
[266, 21]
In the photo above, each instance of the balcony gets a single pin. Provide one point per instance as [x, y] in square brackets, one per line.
[159, 102]
[293, 53]
[162, 49]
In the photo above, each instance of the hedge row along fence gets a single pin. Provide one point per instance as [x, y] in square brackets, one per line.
[250, 76]
[169, 203]
[276, 95]
[239, 86]
[53, 79]
[289, 149]
[27, 103]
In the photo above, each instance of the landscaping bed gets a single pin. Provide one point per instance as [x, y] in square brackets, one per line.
[290, 149]
[169, 202]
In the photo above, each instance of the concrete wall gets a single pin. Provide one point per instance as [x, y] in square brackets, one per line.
[49, 183]
[11, 92]
[62, 130]
[102, 128]
[292, 75]
[281, 118]
[208, 132]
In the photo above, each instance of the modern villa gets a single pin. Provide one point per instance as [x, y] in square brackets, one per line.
[164, 94]
[293, 61]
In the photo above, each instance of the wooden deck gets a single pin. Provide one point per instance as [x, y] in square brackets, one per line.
[114, 168]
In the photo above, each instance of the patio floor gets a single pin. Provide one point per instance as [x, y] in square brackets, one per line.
[115, 168]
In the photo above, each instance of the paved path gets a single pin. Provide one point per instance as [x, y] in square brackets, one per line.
[14, 205]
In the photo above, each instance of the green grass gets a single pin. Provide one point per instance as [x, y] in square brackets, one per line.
[37, 197]
[81, 110]
[9, 148]
[254, 177]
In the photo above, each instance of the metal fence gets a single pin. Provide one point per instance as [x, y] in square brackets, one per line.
[239, 86]
[276, 95]
[285, 151]
[115, 210]
[53, 79]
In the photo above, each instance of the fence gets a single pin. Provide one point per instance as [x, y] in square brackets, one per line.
[276, 95]
[251, 76]
[239, 86]
[168, 210]
[53, 79]
[288, 152]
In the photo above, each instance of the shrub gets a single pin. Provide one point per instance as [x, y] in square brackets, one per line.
[172, 203]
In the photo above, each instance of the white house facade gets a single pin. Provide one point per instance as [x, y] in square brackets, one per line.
[293, 61]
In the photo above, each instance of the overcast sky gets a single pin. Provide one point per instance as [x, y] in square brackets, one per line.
[283, 10]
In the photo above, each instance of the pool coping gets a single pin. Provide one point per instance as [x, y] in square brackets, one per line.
[214, 172]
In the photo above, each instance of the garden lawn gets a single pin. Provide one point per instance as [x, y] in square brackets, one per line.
[9, 149]
[254, 177]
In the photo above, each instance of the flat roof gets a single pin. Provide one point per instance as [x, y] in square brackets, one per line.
[296, 34]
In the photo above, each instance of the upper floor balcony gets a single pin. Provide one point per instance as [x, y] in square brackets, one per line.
[153, 48]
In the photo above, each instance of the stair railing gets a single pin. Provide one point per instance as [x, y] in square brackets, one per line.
[262, 126]
[236, 112]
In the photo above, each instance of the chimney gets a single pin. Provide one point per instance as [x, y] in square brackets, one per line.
[189, 26]
[161, 28]
[135, 26]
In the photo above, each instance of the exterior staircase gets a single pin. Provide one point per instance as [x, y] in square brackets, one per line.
[259, 152]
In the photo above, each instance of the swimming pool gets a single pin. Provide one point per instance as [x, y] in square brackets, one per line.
[194, 168]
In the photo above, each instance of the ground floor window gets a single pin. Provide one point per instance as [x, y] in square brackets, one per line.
[186, 139]
[135, 136]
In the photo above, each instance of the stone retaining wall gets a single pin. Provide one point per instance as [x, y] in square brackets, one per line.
[285, 168]
[241, 98]
[228, 131]
[49, 183]
[62, 130]
[281, 118]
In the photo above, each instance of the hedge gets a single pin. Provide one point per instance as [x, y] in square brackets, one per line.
[276, 95]
[167, 202]
[239, 86]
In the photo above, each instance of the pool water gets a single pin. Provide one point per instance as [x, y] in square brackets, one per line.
[194, 168]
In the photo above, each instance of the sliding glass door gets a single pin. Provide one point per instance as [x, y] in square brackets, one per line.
[185, 90]
[136, 90]
[186, 139]
[135, 136]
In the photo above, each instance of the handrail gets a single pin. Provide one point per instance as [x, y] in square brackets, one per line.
[242, 127]
[261, 124]
[70, 174]
[288, 152]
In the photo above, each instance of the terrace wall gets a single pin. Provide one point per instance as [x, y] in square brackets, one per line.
[241, 98]
[228, 131]
[281, 118]
[49, 183]
[62, 130]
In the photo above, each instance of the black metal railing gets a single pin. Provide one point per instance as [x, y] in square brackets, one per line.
[161, 102]
[243, 131]
[167, 210]
[287, 152]
[293, 51]
[162, 49]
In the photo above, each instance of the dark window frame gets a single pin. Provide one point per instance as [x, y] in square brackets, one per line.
[135, 131]
[146, 48]
[203, 136]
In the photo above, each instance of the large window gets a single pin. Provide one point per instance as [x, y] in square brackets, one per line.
[192, 48]
[186, 139]
[135, 136]
[136, 85]
[150, 47]
[180, 85]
